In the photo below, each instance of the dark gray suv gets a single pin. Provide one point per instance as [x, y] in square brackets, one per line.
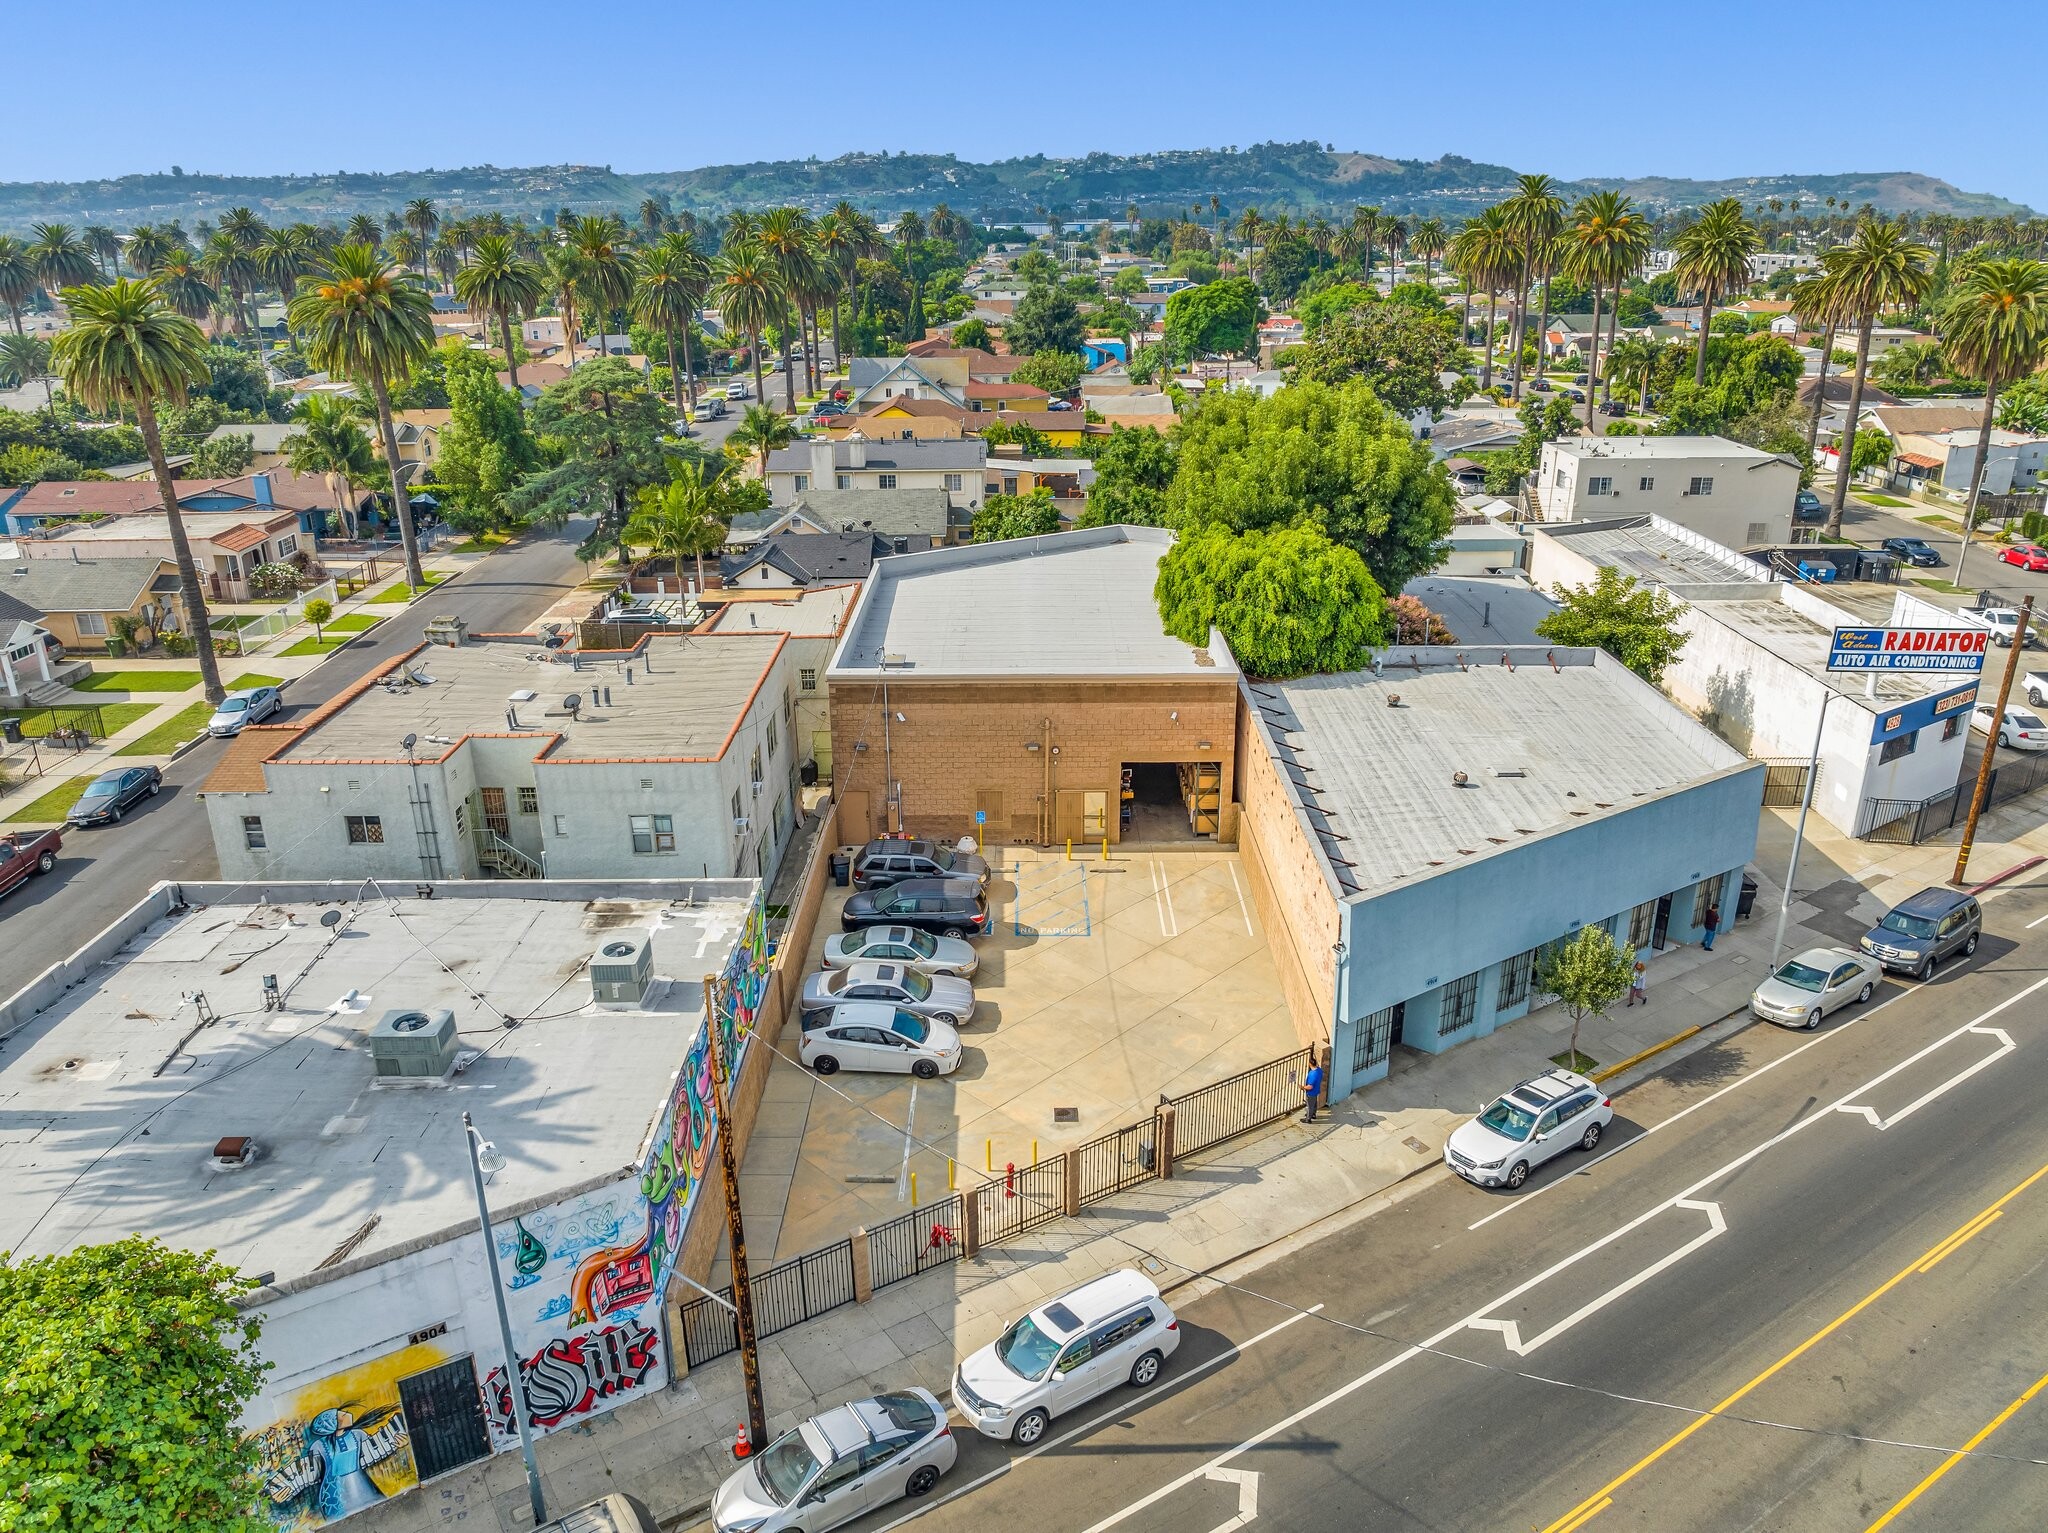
[886, 862]
[1919, 934]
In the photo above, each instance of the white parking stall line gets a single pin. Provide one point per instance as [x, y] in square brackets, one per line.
[2006, 1046]
[1245, 910]
[1685, 1197]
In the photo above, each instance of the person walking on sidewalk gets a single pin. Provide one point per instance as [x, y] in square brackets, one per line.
[1312, 1088]
[1712, 923]
[1639, 985]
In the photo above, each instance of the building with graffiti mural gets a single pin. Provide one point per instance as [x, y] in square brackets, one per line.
[279, 1074]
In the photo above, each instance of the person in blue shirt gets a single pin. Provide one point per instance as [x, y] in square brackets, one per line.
[1312, 1087]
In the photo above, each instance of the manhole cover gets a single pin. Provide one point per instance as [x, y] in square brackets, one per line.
[1066, 1115]
[1152, 1264]
[1416, 1145]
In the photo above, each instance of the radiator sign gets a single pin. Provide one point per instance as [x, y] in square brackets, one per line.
[1908, 649]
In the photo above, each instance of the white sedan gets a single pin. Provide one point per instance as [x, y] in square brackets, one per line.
[901, 944]
[838, 1466]
[873, 1035]
[2020, 730]
[1805, 989]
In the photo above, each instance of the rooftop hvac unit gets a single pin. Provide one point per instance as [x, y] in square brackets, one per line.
[413, 1045]
[622, 971]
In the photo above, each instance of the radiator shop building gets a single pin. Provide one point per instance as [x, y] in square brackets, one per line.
[1417, 834]
[1013, 691]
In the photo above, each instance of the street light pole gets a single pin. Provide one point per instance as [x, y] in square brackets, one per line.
[481, 1150]
[1799, 834]
[728, 1165]
[2012, 665]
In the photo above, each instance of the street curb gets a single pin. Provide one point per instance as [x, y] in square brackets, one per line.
[1611, 1071]
[2012, 872]
[198, 740]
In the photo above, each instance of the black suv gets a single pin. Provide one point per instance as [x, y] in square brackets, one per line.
[948, 907]
[882, 863]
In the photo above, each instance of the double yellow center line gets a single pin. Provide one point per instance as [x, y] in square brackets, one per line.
[1603, 1498]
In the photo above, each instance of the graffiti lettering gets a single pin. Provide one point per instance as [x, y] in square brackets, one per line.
[574, 1374]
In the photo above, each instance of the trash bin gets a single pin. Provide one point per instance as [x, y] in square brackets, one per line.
[1746, 901]
[842, 869]
[10, 731]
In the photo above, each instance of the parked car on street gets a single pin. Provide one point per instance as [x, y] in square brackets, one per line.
[2004, 623]
[843, 1464]
[901, 944]
[1537, 1121]
[943, 999]
[23, 855]
[1114, 1330]
[249, 705]
[1539, 385]
[709, 408]
[2019, 730]
[1575, 396]
[1614, 407]
[112, 794]
[2028, 556]
[882, 863]
[1805, 989]
[947, 907]
[1808, 507]
[1917, 552]
[876, 1036]
[1919, 934]
[735, 391]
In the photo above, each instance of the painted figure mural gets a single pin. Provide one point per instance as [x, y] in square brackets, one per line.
[344, 1445]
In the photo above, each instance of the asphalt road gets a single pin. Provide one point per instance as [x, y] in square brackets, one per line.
[101, 873]
[1871, 525]
[1804, 1270]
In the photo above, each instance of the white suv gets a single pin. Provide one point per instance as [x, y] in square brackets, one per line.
[1539, 1119]
[1115, 1330]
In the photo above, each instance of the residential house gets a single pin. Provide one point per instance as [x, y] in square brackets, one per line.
[534, 377]
[1276, 334]
[1101, 352]
[1937, 444]
[1468, 476]
[692, 766]
[894, 513]
[1006, 396]
[31, 657]
[226, 545]
[873, 379]
[1570, 335]
[81, 602]
[419, 438]
[1739, 496]
[1009, 472]
[1153, 412]
[814, 618]
[982, 366]
[903, 419]
[954, 467]
[1474, 428]
[309, 497]
[543, 333]
[797, 558]
[266, 442]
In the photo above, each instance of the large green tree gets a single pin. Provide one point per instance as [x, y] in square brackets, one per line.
[1587, 974]
[1314, 455]
[1288, 601]
[688, 515]
[1713, 261]
[332, 443]
[371, 321]
[1016, 516]
[1637, 624]
[1400, 351]
[1045, 319]
[603, 429]
[1220, 316]
[1133, 471]
[125, 347]
[1995, 326]
[487, 451]
[669, 283]
[128, 1368]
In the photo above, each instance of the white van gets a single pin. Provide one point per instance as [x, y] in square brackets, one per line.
[1115, 1330]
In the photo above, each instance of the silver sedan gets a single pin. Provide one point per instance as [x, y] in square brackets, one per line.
[1805, 989]
[939, 998]
[901, 944]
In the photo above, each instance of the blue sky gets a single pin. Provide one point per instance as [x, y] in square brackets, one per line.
[1737, 88]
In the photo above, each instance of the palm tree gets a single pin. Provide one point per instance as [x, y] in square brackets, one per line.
[17, 277]
[422, 218]
[749, 291]
[368, 319]
[668, 289]
[1603, 245]
[1813, 303]
[604, 282]
[654, 216]
[126, 347]
[149, 247]
[1713, 261]
[1881, 267]
[1632, 362]
[1429, 241]
[364, 230]
[788, 239]
[1249, 226]
[1488, 251]
[62, 258]
[839, 254]
[183, 286]
[499, 281]
[331, 442]
[105, 246]
[1394, 237]
[232, 270]
[562, 275]
[25, 359]
[283, 257]
[686, 516]
[1535, 213]
[1995, 327]
[244, 226]
[763, 430]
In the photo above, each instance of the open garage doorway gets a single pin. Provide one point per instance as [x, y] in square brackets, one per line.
[1170, 801]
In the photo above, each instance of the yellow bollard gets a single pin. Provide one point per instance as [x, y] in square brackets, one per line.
[989, 1145]
[1034, 1152]
[951, 1169]
[1105, 848]
[913, 1189]
[1070, 851]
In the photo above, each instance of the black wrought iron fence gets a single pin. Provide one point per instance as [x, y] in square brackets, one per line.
[1908, 822]
[784, 1296]
[1785, 784]
[915, 1242]
[1021, 1200]
[1240, 1104]
[1119, 1159]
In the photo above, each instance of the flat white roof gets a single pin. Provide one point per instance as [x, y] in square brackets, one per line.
[1067, 604]
[1658, 447]
[114, 1098]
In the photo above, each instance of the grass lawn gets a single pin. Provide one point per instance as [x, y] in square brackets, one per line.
[1947, 588]
[335, 634]
[253, 679]
[139, 681]
[114, 716]
[51, 808]
[1946, 523]
[234, 620]
[1890, 501]
[482, 543]
[402, 591]
[181, 726]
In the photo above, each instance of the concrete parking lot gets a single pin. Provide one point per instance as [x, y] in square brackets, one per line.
[1103, 986]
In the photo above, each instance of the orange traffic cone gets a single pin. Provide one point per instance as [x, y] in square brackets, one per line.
[741, 1448]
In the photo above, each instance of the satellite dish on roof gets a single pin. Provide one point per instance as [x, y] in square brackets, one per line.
[573, 701]
[410, 741]
[330, 918]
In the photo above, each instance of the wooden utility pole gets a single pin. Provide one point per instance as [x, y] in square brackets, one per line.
[728, 1162]
[2012, 666]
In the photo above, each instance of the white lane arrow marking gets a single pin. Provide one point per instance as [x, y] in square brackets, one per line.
[1858, 1110]
[1247, 1496]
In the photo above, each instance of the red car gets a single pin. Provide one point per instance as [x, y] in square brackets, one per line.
[22, 855]
[2027, 556]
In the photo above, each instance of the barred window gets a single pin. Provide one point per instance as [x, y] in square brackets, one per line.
[1708, 893]
[529, 801]
[1372, 1039]
[1461, 1002]
[1642, 921]
[1514, 980]
[364, 829]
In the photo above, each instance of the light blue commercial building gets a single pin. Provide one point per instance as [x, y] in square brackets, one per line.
[1467, 807]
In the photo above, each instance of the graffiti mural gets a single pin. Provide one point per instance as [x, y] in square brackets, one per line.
[343, 1444]
[574, 1375]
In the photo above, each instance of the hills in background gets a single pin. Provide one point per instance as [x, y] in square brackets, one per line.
[1299, 178]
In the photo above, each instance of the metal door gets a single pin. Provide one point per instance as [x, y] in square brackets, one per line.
[444, 1417]
[495, 819]
[1660, 928]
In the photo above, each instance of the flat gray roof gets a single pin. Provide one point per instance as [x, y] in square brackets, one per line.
[1660, 447]
[687, 697]
[569, 1095]
[1067, 604]
[1482, 610]
[814, 613]
[1771, 625]
[1584, 739]
[1654, 550]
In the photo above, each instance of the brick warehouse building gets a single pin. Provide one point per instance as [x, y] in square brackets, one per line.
[1029, 682]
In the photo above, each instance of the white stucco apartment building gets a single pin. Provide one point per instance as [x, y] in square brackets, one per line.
[1740, 497]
